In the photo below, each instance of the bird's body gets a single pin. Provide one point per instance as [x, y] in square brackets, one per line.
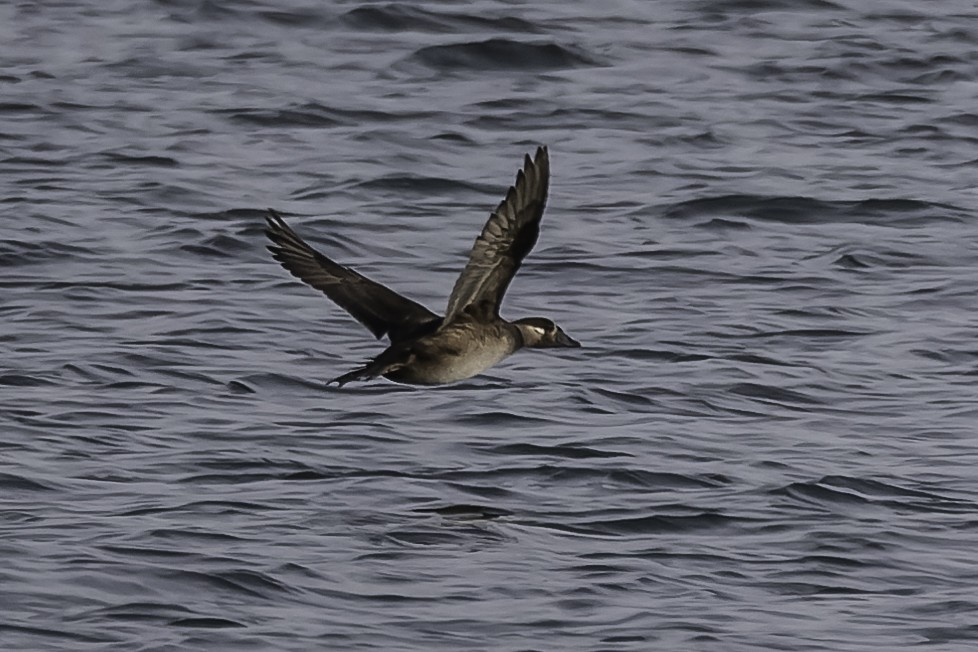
[463, 349]
[427, 349]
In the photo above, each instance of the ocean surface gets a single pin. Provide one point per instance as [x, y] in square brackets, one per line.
[762, 226]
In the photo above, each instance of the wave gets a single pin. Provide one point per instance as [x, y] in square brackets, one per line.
[502, 54]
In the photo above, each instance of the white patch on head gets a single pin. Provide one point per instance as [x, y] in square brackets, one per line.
[538, 330]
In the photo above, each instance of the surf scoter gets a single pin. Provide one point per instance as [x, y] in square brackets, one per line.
[426, 349]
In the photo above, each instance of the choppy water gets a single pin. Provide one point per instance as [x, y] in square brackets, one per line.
[762, 227]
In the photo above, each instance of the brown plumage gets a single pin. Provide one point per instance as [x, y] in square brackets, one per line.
[427, 349]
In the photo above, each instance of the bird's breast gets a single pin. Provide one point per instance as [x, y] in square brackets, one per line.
[453, 355]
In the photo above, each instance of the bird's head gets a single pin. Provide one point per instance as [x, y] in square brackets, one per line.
[542, 333]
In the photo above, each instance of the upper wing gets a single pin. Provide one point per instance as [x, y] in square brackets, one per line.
[506, 239]
[379, 308]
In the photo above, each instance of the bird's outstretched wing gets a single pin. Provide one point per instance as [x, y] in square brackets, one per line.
[380, 309]
[506, 239]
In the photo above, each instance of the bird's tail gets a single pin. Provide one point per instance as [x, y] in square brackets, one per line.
[390, 360]
[362, 373]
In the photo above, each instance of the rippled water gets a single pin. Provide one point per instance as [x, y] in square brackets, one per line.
[762, 227]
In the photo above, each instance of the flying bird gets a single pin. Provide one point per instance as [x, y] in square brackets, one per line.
[471, 337]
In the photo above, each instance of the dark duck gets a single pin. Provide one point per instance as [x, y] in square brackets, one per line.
[426, 349]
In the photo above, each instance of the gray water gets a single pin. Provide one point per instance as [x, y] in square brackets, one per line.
[761, 226]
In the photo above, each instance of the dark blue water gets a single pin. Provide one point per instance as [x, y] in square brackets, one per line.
[762, 227]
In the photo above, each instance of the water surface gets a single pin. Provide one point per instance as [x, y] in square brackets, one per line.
[761, 226]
